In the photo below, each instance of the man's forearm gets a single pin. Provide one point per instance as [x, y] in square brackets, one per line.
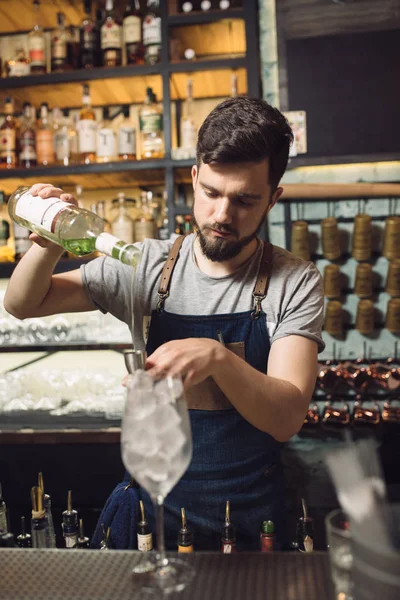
[270, 404]
[31, 280]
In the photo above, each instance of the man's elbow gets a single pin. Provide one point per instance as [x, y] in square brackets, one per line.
[13, 309]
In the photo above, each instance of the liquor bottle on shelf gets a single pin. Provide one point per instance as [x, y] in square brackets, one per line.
[59, 55]
[27, 137]
[106, 139]
[132, 33]
[37, 42]
[73, 138]
[111, 42]
[151, 128]
[4, 235]
[75, 229]
[44, 138]
[18, 66]
[89, 39]
[234, 85]
[145, 226]
[100, 210]
[62, 137]
[122, 226]
[188, 123]
[152, 33]
[73, 47]
[8, 137]
[126, 137]
[87, 129]
[206, 5]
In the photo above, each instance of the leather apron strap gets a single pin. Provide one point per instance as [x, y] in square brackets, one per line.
[263, 276]
[163, 290]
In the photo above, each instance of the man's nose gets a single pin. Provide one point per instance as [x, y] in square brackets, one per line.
[223, 213]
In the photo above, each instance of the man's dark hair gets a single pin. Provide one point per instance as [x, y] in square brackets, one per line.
[246, 130]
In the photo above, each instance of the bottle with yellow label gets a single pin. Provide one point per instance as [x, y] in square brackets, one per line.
[185, 536]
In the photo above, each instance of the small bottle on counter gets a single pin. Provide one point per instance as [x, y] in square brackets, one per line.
[267, 536]
[3, 513]
[83, 541]
[144, 535]
[24, 540]
[39, 522]
[105, 543]
[228, 539]
[51, 536]
[305, 531]
[70, 524]
[185, 536]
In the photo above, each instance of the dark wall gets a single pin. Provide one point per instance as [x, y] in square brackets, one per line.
[350, 87]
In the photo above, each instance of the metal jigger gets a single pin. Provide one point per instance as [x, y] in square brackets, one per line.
[365, 317]
[332, 281]
[330, 239]
[134, 360]
[363, 284]
[300, 240]
[362, 237]
[393, 278]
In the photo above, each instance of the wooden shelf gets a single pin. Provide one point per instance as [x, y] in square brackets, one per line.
[315, 161]
[79, 346]
[200, 18]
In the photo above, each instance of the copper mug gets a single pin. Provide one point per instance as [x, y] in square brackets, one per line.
[363, 415]
[390, 414]
[338, 417]
[328, 375]
[313, 417]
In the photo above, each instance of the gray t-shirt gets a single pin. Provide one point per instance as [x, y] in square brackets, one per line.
[293, 306]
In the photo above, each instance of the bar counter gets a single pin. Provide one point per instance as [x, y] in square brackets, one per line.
[107, 575]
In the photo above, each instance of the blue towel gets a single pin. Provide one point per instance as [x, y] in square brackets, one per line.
[121, 513]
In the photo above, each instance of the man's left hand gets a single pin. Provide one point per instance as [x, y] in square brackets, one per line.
[194, 359]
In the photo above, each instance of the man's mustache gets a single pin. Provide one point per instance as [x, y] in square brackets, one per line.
[217, 227]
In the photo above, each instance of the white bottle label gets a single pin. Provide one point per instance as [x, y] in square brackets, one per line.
[189, 134]
[151, 30]
[123, 230]
[110, 36]
[71, 541]
[61, 145]
[126, 140]
[37, 50]
[40, 212]
[106, 243]
[20, 69]
[106, 145]
[87, 135]
[145, 542]
[132, 30]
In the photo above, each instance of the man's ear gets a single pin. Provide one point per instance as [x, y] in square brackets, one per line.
[275, 197]
[194, 176]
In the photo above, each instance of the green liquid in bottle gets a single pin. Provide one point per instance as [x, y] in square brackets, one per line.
[80, 247]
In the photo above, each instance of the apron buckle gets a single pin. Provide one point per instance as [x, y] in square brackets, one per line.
[161, 300]
[257, 306]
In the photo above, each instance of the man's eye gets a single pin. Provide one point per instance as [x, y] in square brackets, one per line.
[245, 201]
[210, 194]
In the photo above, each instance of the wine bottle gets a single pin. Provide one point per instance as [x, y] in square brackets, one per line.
[77, 230]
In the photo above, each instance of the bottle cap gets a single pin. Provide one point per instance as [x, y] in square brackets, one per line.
[268, 527]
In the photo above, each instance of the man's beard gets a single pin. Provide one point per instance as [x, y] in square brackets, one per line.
[220, 249]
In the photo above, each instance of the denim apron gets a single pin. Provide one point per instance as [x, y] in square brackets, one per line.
[232, 459]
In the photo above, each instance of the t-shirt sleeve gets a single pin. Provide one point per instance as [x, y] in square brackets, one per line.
[107, 282]
[304, 312]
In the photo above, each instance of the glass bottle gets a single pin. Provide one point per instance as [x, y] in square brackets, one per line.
[188, 123]
[27, 138]
[152, 33]
[151, 128]
[106, 139]
[3, 513]
[111, 38]
[73, 48]
[187, 7]
[62, 137]
[122, 225]
[22, 243]
[87, 129]
[126, 137]
[8, 137]
[18, 66]
[145, 226]
[76, 229]
[88, 38]
[44, 137]
[73, 139]
[70, 525]
[37, 42]
[132, 33]
[234, 85]
[59, 56]
[100, 210]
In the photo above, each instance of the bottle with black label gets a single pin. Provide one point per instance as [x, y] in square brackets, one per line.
[132, 33]
[152, 33]
[185, 536]
[228, 539]
[70, 524]
[111, 38]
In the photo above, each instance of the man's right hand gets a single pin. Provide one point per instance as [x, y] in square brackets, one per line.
[47, 190]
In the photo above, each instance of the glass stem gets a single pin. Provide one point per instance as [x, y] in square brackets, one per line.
[159, 506]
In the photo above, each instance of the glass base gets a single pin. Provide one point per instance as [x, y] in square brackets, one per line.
[173, 576]
[147, 562]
